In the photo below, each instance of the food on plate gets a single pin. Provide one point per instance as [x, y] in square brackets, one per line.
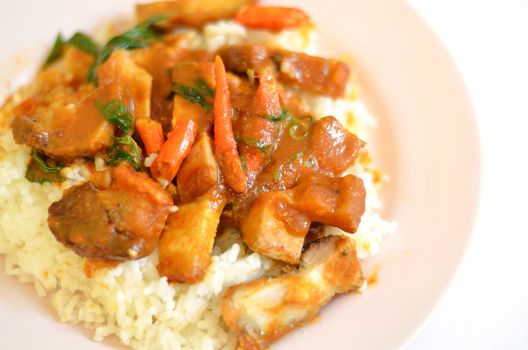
[199, 181]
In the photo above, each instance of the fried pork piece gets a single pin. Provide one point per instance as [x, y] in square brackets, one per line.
[266, 309]
[334, 147]
[316, 74]
[116, 222]
[199, 171]
[120, 78]
[187, 241]
[191, 12]
[69, 130]
[277, 222]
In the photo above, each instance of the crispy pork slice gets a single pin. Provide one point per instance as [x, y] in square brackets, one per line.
[199, 171]
[277, 222]
[266, 309]
[187, 242]
[316, 74]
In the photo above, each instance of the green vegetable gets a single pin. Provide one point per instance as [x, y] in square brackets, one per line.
[195, 94]
[84, 43]
[56, 51]
[285, 115]
[260, 145]
[79, 40]
[124, 147]
[142, 35]
[39, 171]
[243, 163]
[115, 112]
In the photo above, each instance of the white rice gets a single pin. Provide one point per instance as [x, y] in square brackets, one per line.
[131, 300]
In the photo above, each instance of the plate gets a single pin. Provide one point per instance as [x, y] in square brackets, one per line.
[426, 142]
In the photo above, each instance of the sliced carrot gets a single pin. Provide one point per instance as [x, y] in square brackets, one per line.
[225, 145]
[174, 150]
[151, 134]
[266, 100]
[271, 17]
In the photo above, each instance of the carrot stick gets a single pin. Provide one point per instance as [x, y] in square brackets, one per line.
[175, 149]
[271, 18]
[266, 100]
[151, 134]
[225, 144]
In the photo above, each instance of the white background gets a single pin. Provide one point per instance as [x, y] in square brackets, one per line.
[487, 306]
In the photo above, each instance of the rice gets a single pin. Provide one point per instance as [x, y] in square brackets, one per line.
[131, 300]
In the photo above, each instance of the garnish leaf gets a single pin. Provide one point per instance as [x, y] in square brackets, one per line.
[260, 145]
[56, 51]
[142, 35]
[285, 115]
[84, 43]
[125, 149]
[116, 113]
[79, 40]
[39, 171]
[195, 94]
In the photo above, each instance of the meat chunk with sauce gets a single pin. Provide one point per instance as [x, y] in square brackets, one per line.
[316, 74]
[262, 311]
[191, 12]
[120, 78]
[116, 222]
[334, 147]
[66, 133]
[73, 130]
[272, 227]
[199, 171]
[277, 222]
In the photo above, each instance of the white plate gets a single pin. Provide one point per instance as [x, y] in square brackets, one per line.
[427, 142]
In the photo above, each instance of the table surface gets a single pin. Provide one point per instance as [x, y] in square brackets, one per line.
[487, 305]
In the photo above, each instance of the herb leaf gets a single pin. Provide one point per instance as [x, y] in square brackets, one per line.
[39, 171]
[138, 37]
[260, 145]
[56, 51]
[115, 112]
[125, 149]
[84, 43]
[285, 115]
[195, 94]
[79, 40]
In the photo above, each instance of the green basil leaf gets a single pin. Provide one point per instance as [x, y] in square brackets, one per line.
[39, 171]
[140, 36]
[285, 115]
[115, 112]
[84, 43]
[125, 149]
[195, 94]
[56, 51]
